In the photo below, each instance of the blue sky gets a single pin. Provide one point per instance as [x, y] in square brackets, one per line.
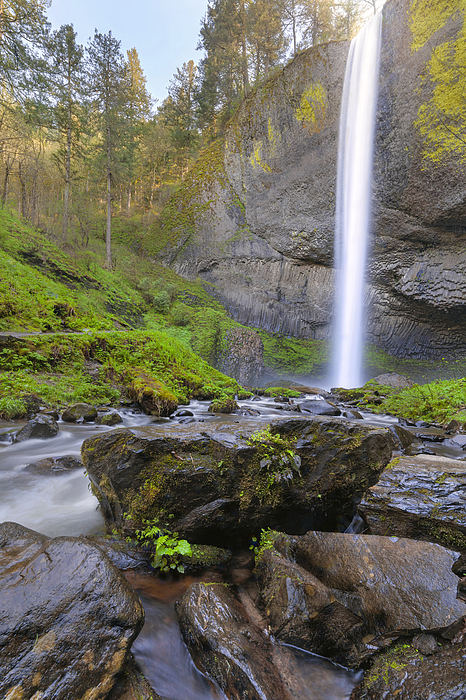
[164, 32]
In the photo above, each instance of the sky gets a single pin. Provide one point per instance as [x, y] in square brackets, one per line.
[165, 33]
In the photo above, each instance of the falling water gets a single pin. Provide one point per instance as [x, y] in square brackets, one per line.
[355, 149]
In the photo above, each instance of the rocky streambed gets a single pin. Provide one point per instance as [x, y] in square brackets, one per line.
[387, 601]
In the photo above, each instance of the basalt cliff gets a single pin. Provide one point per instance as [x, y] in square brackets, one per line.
[255, 217]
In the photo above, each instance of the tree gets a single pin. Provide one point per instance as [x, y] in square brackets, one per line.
[179, 110]
[265, 35]
[23, 32]
[67, 82]
[138, 103]
[106, 81]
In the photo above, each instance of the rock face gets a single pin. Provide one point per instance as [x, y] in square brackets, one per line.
[67, 617]
[345, 596]
[419, 497]
[243, 358]
[221, 487]
[259, 213]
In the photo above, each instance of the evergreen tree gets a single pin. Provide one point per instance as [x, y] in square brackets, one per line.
[106, 82]
[67, 82]
[138, 104]
[23, 33]
[179, 110]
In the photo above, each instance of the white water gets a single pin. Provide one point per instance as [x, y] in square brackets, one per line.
[355, 154]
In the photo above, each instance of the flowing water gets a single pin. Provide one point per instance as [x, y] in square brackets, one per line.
[63, 505]
[355, 152]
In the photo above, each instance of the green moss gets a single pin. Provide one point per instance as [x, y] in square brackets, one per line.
[292, 356]
[441, 121]
[282, 391]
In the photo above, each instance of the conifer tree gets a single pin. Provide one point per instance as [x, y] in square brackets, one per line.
[66, 81]
[106, 82]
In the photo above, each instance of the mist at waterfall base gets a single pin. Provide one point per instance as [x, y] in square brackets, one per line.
[353, 214]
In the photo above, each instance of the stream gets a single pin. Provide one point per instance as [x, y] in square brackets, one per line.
[62, 504]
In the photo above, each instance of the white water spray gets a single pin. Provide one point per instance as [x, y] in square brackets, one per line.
[355, 154]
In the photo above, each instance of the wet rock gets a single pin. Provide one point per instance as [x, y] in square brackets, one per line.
[396, 586]
[352, 414]
[223, 405]
[51, 412]
[8, 436]
[131, 684]
[40, 426]
[109, 419]
[124, 555]
[345, 596]
[79, 411]
[67, 617]
[318, 408]
[305, 613]
[404, 437]
[454, 426]
[420, 497]
[54, 465]
[220, 488]
[186, 421]
[226, 646]
[183, 413]
[405, 673]
[394, 380]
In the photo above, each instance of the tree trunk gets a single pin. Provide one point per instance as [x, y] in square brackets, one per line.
[66, 205]
[108, 236]
[5, 184]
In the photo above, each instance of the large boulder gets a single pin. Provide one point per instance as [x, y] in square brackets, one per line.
[79, 411]
[218, 486]
[419, 497]
[67, 617]
[346, 596]
[40, 426]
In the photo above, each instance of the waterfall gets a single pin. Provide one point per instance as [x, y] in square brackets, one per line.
[355, 151]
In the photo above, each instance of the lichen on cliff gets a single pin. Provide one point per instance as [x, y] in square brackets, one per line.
[313, 107]
[441, 120]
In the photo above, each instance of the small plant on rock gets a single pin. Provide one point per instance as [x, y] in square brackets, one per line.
[168, 547]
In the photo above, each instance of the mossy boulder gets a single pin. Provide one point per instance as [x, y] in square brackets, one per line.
[219, 486]
[153, 396]
[79, 411]
[223, 405]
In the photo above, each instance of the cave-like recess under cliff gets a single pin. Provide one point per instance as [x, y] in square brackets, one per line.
[255, 217]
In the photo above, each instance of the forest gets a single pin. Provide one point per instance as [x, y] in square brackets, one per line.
[82, 142]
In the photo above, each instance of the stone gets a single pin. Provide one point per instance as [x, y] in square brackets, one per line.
[67, 617]
[8, 436]
[355, 415]
[305, 613]
[109, 419]
[211, 479]
[79, 411]
[226, 646]
[420, 497]
[407, 674]
[404, 437]
[345, 596]
[41, 426]
[394, 380]
[318, 408]
[55, 465]
[132, 685]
